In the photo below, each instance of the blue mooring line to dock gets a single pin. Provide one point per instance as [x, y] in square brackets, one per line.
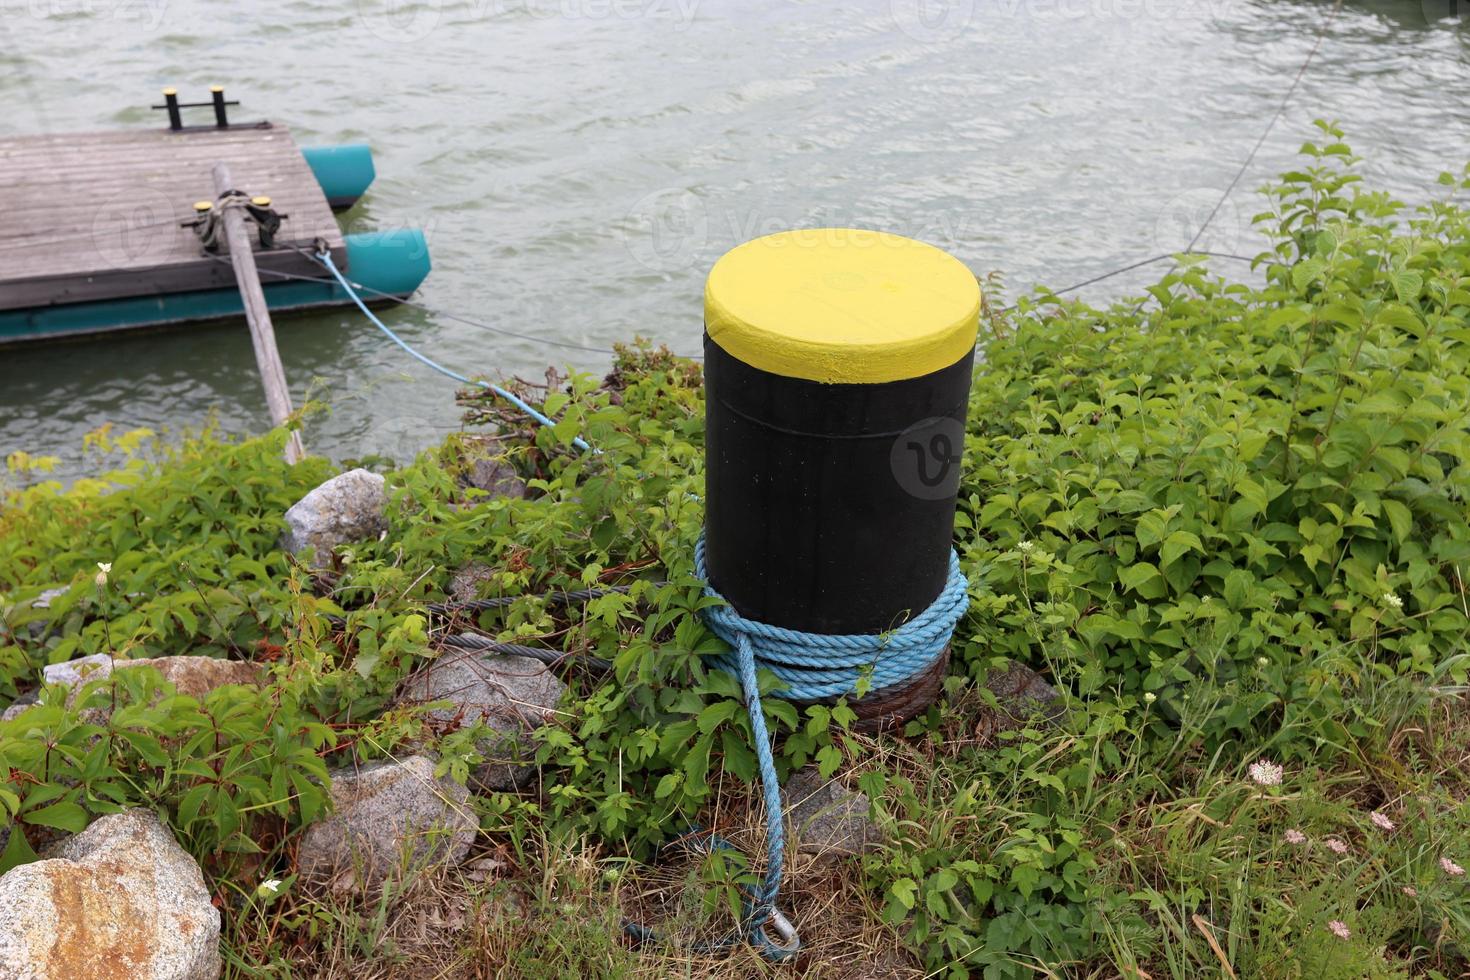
[325, 259]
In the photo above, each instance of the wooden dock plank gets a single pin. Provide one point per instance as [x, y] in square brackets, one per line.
[88, 216]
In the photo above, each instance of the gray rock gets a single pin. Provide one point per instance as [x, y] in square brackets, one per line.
[512, 695]
[465, 585]
[17, 707]
[495, 476]
[1022, 699]
[35, 629]
[43, 601]
[389, 820]
[347, 508]
[827, 820]
[78, 671]
[120, 899]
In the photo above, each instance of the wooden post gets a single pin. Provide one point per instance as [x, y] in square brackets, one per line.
[257, 314]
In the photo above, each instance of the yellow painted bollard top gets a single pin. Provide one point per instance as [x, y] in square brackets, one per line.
[842, 306]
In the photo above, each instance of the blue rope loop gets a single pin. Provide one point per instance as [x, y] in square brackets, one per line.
[812, 666]
[819, 665]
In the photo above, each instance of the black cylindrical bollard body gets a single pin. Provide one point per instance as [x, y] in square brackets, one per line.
[837, 375]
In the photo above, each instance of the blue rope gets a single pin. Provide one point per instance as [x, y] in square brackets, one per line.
[325, 258]
[812, 666]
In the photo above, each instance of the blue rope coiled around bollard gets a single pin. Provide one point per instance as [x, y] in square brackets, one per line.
[812, 666]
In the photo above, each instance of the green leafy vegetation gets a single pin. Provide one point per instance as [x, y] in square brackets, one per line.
[1227, 521]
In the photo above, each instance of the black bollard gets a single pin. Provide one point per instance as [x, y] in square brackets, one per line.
[837, 372]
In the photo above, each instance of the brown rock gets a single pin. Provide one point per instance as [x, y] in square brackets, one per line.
[197, 676]
[119, 900]
[193, 676]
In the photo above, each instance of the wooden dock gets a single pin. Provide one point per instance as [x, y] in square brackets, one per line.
[98, 216]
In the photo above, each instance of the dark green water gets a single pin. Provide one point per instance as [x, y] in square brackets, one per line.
[579, 164]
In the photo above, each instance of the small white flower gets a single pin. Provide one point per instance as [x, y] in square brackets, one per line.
[268, 887]
[1339, 929]
[103, 567]
[1335, 845]
[1390, 599]
[1451, 868]
[1026, 546]
[1150, 698]
[1410, 891]
[1266, 773]
[1294, 836]
[1381, 821]
[1263, 662]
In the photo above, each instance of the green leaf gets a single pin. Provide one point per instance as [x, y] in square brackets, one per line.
[60, 816]
[1399, 519]
[1177, 544]
[17, 851]
[1143, 578]
[904, 891]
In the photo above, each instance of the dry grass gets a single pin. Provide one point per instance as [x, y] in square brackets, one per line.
[1191, 827]
[559, 913]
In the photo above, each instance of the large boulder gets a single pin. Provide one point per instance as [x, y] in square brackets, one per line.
[514, 696]
[119, 900]
[347, 508]
[388, 819]
[828, 821]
